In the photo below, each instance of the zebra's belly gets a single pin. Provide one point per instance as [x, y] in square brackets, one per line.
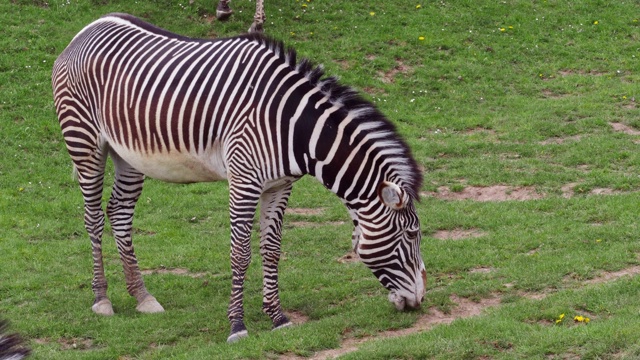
[176, 167]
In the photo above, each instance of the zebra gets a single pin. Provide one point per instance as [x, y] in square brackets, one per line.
[223, 12]
[11, 345]
[240, 109]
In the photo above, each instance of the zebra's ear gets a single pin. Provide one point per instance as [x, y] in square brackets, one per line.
[392, 195]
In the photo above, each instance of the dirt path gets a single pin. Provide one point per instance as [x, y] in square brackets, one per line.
[464, 308]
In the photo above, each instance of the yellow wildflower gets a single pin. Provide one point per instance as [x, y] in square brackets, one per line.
[502, 29]
[304, 5]
[419, 6]
[595, 22]
[421, 38]
[510, 27]
[580, 318]
[372, 13]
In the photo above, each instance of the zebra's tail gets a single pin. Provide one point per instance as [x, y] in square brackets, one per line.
[11, 345]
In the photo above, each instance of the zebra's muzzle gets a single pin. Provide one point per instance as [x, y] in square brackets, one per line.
[406, 299]
[404, 302]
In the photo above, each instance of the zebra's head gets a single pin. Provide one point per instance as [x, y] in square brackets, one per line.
[387, 240]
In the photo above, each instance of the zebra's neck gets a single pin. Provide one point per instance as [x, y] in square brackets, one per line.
[349, 146]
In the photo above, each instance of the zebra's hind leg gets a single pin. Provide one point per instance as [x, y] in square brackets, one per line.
[126, 191]
[223, 11]
[273, 203]
[90, 173]
[258, 18]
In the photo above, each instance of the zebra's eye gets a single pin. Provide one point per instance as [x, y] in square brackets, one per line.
[413, 234]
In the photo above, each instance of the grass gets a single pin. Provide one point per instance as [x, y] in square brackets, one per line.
[486, 93]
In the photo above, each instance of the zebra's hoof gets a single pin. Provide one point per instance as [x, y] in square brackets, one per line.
[287, 324]
[149, 306]
[223, 14]
[103, 307]
[237, 336]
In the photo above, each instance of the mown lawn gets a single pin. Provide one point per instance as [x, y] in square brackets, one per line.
[525, 94]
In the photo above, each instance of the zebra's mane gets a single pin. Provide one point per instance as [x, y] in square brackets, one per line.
[363, 110]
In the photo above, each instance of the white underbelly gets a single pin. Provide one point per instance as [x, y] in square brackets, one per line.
[175, 166]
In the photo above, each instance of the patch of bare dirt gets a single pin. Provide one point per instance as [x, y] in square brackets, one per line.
[374, 91]
[389, 76]
[458, 234]
[290, 356]
[479, 130]
[567, 356]
[75, 344]
[568, 72]
[137, 231]
[560, 140]
[175, 271]
[488, 193]
[534, 295]
[487, 135]
[620, 127]
[481, 270]
[600, 279]
[465, 308]
[350, 257]
[344, 64]
[568, 190]
[304, 211]
[615, 275]
[583, 167]
[603, 191]
[296, 317]
[631, 104]
[550, 94]
[314, 224]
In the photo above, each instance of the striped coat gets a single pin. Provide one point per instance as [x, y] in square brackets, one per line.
[240, 109]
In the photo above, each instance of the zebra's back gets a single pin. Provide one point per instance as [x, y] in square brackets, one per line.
[168, 105]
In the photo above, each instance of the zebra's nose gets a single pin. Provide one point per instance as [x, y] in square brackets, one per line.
[413, 304]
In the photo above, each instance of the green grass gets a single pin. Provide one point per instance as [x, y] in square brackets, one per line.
[485, 92]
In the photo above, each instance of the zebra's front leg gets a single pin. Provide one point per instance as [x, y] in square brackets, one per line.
[273, 203]
[126, 191]
[243, 199]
